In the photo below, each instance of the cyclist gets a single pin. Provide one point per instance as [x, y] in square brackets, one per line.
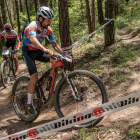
[33, 49]
[11, 41]
[22, 31]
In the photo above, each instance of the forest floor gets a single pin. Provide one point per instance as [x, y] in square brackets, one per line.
[122, 125]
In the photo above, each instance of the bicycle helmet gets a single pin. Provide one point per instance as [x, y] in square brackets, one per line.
[45, 12]
[7, 26]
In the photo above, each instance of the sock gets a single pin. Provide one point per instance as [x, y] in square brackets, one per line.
[16, 66]
[30, 98]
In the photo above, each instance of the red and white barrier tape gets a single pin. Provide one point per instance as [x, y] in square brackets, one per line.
[76, 119]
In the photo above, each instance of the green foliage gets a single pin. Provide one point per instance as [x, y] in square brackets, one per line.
[127, 13]
[133, 133]
[83, 134]
[122, 55]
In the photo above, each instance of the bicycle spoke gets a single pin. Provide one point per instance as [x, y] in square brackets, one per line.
[20, 99]
[87, 89]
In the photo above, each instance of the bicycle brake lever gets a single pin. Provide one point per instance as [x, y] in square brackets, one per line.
[53, 57]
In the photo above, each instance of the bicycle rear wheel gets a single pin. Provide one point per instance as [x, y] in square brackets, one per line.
[91, 90]
[19, 100]
[5, 73]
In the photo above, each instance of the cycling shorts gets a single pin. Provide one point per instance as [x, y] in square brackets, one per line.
[29, 57]
[12, 44]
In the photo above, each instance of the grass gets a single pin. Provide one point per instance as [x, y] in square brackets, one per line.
[133, 132]
[122, 55]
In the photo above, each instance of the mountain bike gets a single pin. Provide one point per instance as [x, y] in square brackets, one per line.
[75, 91]
[7, 66]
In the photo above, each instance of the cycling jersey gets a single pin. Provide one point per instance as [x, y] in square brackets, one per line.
[34, 29]
[10, 38]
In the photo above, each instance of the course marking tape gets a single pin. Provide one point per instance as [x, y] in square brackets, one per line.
[76, 43]
[77, 119]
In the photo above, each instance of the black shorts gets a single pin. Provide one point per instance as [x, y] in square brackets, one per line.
[29, 57]
[12, 44]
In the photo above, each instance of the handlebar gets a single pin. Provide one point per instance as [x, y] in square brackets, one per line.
[8, 50]
[60, 56]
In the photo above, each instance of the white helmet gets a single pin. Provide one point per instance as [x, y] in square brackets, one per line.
[45, 12]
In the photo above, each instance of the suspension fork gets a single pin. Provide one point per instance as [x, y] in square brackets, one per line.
[75, 89]
[71, 85]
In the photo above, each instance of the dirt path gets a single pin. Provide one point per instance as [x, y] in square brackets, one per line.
[10, 123]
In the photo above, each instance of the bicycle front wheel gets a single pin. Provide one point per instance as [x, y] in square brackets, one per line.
[5, 73]
[90, 89]
[19, 99]
[13, 68]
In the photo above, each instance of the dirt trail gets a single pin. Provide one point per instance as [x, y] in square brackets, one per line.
[10, 123]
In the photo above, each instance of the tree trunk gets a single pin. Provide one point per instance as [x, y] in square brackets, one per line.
[117, 7]
[17, 10]
[38, 5]
[109, 33]
[1, 28]
[93, 15]
[21, 9]
[100, 12]
[88, 16]
[51, 4]
[3, 12]
[41, 2]
[35, 1]
[9, 13]
[1, 23]
[64, 23]
[27, 10]
[14, 11]
[46, 2]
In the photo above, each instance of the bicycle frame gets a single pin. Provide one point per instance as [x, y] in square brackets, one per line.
[10, 56]
[41, 81]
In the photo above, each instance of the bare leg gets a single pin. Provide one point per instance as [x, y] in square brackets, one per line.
[31, 88]
[32, 82]
[16, 63]
[15, 59]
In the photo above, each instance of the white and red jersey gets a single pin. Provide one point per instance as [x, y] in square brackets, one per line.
[12, 37]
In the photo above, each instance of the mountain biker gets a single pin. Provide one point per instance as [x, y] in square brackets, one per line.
[11, 41]
[22, 31]
[33, 49]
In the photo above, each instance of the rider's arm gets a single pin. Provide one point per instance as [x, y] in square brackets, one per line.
[38, 45]
[18, 44]
[57, 48]
[1, 36]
